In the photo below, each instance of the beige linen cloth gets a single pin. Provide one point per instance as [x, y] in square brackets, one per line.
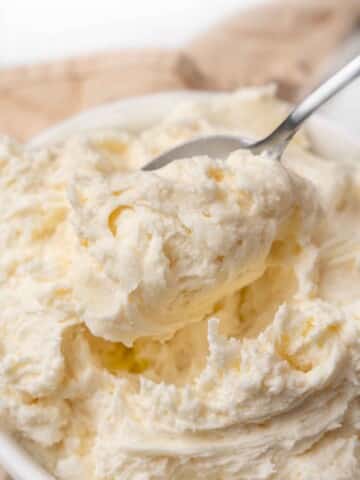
[289, 42]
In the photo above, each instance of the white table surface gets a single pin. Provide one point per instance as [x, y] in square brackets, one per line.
[36, 30]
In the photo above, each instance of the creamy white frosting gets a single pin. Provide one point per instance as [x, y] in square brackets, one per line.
[163, 247]
[200, 321]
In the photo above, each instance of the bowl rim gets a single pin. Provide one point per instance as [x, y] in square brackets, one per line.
[125, 112]
[136, 113]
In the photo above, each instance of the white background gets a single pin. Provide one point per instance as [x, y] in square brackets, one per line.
[37, 30]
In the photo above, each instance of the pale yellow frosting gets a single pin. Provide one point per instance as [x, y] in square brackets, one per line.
[200, 321]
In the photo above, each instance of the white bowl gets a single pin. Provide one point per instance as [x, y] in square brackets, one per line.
[137, 113]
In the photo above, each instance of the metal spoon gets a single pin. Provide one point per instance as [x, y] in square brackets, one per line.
[222, 145]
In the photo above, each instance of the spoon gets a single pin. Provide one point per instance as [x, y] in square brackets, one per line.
[220, 146]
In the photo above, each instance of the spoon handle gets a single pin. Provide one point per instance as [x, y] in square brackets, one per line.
[279, 138]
